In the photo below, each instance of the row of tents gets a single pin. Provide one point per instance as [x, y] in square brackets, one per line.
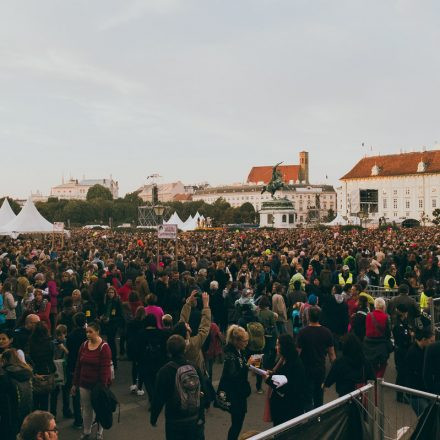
[27, 221]
[190, 224]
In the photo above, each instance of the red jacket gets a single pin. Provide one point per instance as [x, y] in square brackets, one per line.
[377, 327]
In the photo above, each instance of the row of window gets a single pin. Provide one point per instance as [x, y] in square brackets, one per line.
[408, 204]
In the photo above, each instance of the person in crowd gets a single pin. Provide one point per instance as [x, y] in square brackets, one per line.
[377, 341]
[351, 370]
[41, 307]
[402, 341]
[15, 393]
[75, 339]
[93, 367]
[287, 401]
[65, 317]
[181, 422]
[415, 362]
[335, 314]
[151, 355]
[9, 305]
[312, 301]
[431, 368]
[7, 342]
[357, 320]
[133, 329]
[410, 304]
[234, 379]
[60, 354]
[212, 348]
[23, 332]
[41, 354]
[153, 309]
[39, 425]
[53, 298]
[112, 321]
[315, 342]
[77, 302]
[279, 307]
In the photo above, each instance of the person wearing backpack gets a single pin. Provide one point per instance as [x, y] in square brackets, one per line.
[179, 389]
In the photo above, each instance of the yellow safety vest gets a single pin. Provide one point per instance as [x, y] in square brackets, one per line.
[342, 282]
[424, 301]
[386, 282]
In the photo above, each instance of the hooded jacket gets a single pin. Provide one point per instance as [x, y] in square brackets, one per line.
[335, 314]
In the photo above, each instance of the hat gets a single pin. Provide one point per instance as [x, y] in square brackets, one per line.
[313, 299]
[69, 271]
[345, 267]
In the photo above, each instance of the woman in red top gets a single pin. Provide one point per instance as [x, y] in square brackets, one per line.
[53, 294]
[92, 367]
[377, 342]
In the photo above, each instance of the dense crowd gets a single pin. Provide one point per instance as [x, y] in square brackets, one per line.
[284, 304]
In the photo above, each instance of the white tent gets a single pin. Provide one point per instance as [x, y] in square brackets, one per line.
[28, 221]
[175, 220]
[338, 221]
[6, 213]
[190, 224]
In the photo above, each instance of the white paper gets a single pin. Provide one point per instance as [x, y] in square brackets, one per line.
[279, 380]
[258, 371]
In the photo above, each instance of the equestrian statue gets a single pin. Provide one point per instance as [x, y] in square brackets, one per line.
[276, 183]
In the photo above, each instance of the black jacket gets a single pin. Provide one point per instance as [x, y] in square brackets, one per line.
[431, 370]
[73, 344]
[234, 380]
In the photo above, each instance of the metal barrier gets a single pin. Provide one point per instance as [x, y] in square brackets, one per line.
[395, 420]
[381, 291]
[366, 391]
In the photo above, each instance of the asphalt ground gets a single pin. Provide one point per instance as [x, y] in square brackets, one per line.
[134, 420]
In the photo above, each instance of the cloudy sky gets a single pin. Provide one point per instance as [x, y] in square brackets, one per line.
[202, 90]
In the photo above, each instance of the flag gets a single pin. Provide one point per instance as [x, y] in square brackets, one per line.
[363, 144]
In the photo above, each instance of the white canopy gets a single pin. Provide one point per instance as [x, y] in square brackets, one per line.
[28, 221]
[190, 224]
[175, 220]
[337, 221]
[6, 213]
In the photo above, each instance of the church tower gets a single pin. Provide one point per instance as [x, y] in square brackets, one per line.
[304, 166]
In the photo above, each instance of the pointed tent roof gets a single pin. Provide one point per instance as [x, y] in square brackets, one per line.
[337, 221]
[28, 221]
[175, 220]
[6, 213]
[190, 224]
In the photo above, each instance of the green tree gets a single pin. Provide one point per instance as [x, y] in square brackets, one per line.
[133, 198]
[436, 215]
[247, 212]
[99, 192]
[330, 216]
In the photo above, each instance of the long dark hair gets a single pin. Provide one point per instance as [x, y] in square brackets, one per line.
[288, 348]
[352, 349]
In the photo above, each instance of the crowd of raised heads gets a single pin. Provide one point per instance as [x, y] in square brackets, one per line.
[303, 310]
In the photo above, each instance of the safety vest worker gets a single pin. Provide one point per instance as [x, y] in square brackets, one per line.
[346, 277]
[389, 282]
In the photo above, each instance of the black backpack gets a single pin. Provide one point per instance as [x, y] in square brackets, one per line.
[187, 389]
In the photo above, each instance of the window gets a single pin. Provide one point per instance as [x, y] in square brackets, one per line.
[301, 218]
[434, 203]
[420, 203]
[407, 214]
[385, 203]
[407, 191]
[395, 192]
[395, 203]
[291, 218]
[395, 214]
[284, 218]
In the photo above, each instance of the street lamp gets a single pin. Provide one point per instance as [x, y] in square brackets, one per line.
[158, 211]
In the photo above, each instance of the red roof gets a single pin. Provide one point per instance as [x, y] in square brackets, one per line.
[182, 197]
[264, 174]
[396, 165]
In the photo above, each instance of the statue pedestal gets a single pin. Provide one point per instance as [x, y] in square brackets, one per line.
[277, 213]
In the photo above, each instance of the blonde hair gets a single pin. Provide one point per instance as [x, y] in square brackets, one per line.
[379, 304]
[235, 333]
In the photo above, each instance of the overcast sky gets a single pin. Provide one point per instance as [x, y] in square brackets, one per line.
[202, 90]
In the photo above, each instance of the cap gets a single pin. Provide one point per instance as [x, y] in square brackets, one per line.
[345, 267]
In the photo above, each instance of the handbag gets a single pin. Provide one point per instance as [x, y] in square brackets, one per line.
[43, 384]
[61, 372]
[221, 398]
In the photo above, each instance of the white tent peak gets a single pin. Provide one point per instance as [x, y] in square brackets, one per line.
[28, 221]
[6, 213]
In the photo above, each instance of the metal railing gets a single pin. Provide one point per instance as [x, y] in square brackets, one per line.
[434, 310]
[315, 413]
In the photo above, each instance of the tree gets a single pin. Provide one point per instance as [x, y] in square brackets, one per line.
[330, 216]
[436, 215]
[133, 198]
[99, 192]
[247, 212]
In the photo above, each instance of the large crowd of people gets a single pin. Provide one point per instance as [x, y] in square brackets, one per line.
[295, 307]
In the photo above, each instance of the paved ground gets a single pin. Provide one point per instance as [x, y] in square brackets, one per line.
[134, 423]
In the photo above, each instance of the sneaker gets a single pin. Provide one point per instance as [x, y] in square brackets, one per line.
[259, 391]
[140, 392]
[133, 388]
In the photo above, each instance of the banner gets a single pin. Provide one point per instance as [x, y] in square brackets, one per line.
[167, 231]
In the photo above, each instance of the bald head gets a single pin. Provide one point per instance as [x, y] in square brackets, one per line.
[31, 321]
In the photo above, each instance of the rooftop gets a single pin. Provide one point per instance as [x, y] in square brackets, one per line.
[264, 173]
[396, 165]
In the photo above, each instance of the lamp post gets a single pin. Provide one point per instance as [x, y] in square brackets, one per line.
[158, 211]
